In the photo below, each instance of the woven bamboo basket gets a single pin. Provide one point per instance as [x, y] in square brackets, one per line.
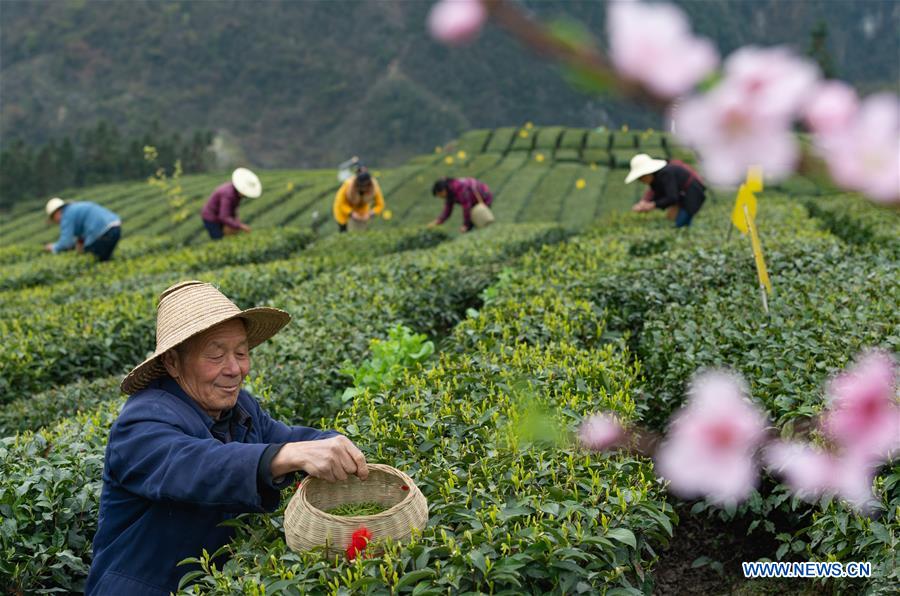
[482, 215]
[307, 526]
[357, 225]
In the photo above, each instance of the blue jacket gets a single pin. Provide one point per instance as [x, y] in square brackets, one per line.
[83, 220]
[168, 484]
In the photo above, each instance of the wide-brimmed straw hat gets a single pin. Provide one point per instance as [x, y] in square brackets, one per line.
[54, 205]
[247, 183]
[189, 308]
[642, 164]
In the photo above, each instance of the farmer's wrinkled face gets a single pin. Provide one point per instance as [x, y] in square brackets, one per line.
[212, 366]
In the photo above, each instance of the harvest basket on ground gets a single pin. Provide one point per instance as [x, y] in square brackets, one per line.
[308, 526]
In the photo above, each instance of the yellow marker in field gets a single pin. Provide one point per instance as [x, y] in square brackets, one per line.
[437, 149]
[529, 125]
[743, 216]
[761, 271]
[290, 186]
[387, 214]
[745, 202]
[523, 134]
[448, 160]
[539, 157]
[461, 154]
[580, 183]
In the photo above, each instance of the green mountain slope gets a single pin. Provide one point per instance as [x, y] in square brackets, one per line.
[301, 84]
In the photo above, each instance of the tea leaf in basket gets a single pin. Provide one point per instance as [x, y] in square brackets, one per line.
[355, 509]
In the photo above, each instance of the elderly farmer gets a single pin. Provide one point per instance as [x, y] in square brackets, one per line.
[191, 449]
[220, 213]
[468, 192]
[672, 185]
[84, 225]
[356, 200]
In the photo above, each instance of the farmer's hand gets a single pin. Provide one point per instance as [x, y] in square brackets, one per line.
[433, 224]
[48, 247]
[245, 227]
[329, 459]
[643, 205]
[463, 229]
[79, 246]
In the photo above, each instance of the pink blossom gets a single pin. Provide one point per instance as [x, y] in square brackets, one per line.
[831, 107]
[863, 417]
[731, 136]
[600, 432]
[711, 442]
[746, 119]
[652, 44]
[456, 22]
[774, 80]
[811, 473]
[865, 155]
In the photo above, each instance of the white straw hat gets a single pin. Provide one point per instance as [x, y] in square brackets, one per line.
[53, 205]
[189, 308]
[642, 164]
[246, 182]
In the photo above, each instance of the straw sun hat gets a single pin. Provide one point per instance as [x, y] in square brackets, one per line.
[247, 183]
[189, 308]
[642, 164]
[53, 205]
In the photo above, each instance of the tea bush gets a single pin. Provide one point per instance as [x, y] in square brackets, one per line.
[76, 445]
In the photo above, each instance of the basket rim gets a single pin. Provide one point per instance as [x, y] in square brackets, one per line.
[413, 490]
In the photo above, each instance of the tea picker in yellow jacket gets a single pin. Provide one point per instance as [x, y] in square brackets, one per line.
[356, 200]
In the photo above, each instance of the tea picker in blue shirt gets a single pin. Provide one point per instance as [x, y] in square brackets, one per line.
[84, 225]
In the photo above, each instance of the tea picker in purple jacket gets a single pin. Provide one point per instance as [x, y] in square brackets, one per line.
[220, 213]
[192, 449]
[468, 192]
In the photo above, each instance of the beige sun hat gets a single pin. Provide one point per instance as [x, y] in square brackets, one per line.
[53, 205]
[642, 164]
[247, 183]
[189, 308]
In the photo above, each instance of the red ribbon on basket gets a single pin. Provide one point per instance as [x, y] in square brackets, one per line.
[358, 542]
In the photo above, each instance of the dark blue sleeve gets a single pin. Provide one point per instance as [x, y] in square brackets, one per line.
[152, 456]
[273, 431]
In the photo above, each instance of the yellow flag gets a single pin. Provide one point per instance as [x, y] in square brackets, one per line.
[755, 178]
[745, 198]
[761, 270]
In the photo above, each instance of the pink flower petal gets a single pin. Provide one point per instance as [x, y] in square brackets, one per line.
[865, 155]
[711, 442]
[600, 432]
[811, 473]
[652, 44]
[831, 108]
[775, 80]
[863, 417]
[456, 22]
